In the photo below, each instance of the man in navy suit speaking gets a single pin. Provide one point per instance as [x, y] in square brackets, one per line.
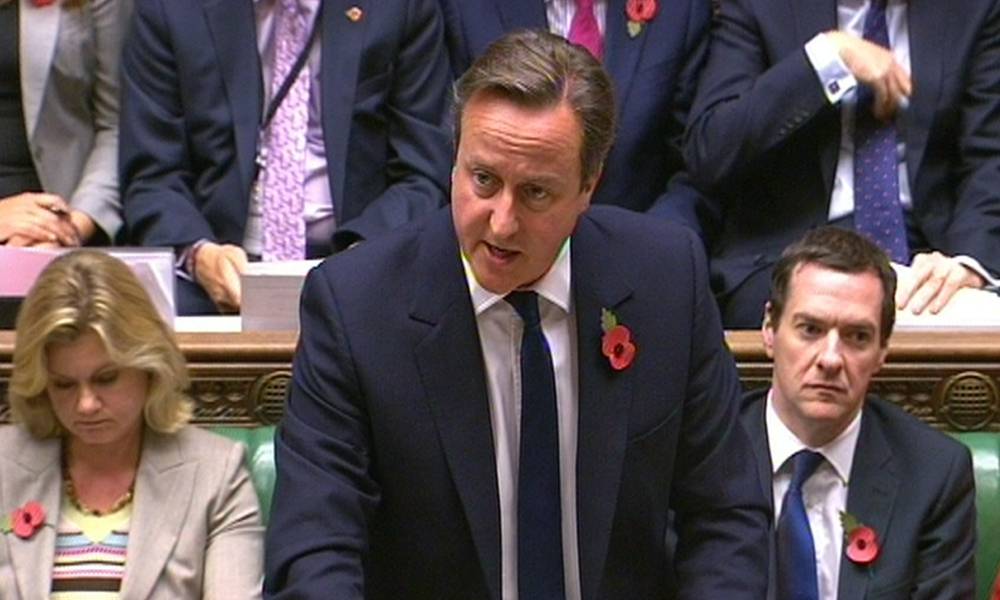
[507, 398]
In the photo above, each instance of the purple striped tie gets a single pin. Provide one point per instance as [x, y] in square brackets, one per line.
[284, 229]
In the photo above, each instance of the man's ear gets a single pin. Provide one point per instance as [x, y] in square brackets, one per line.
[590, 185]
[767, 331]
[883, 353]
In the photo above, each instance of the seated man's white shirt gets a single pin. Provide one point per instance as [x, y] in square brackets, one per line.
[824, 493]
[500, 329]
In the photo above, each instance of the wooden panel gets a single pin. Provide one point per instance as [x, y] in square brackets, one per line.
[950, 379]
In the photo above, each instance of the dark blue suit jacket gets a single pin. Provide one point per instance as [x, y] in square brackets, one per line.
[914, 486]
[192, 101]
[654, 75]
[386, 471]
[764, 140]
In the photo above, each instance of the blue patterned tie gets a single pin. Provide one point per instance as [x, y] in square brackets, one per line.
[539, 514]
[796, 553]
[877, 211]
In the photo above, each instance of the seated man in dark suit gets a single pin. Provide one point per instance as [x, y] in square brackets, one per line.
[279, 130]
[869, 502]
[508, 398]
[879, 116]
[653, 53]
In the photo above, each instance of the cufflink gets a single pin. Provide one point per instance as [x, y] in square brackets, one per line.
[833, 87]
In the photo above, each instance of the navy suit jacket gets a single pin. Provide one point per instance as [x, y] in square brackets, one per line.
[763, 140]
[654, 75]
[386, 472]
[193, 99]
[914, 486]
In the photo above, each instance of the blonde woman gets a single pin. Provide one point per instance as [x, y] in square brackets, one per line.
[59, 65]
[108, 488]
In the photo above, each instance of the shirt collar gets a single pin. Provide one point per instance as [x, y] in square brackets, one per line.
[783, 443]
[554, 286]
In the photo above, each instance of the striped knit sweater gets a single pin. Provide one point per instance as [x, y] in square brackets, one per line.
[90, 554]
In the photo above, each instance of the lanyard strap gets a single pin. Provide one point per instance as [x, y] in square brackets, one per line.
[286, 85]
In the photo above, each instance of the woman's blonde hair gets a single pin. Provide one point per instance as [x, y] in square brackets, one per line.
[85, 291]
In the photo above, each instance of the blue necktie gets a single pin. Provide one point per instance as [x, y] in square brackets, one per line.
[539, 514]
[796, 553]
[877, 211]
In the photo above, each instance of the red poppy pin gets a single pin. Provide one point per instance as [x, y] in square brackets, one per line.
[42, 3]
[617, 341]
[24, 521]
[860, 542]
[639, 13]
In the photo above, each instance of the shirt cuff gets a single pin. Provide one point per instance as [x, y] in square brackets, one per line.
[184, 265]
[836, 78]
[992, 283]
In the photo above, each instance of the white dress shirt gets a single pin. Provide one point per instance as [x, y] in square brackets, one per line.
[500, 330]
[560, 15]
[824, 493]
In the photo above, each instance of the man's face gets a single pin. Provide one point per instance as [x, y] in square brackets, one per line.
[516, 189]
[825, 349]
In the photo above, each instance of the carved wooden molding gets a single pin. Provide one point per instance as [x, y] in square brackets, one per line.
[950, 379]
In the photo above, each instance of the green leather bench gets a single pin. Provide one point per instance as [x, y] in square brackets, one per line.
[986, 463]
[260, 459]
[985, 456]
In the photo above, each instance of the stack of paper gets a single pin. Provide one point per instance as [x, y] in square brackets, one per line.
[271, 294]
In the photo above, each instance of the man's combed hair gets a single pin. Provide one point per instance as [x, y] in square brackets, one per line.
[89, 291]
[841, 250]
[534, 68]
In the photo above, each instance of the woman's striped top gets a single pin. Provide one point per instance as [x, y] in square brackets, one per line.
[90, 554]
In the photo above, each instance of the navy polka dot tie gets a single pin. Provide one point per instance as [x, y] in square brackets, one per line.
[877, 211]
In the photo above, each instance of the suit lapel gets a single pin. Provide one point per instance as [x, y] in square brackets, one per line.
[37, 478]
[38, 30]
[604, 399]
[234, 33]
[928, 25]
[522, 14]
[812, 17]
[754, 423]
[163, 489]
[455, 386]
[870, 496]
[752, 418]
[621, 52]
[338, 81]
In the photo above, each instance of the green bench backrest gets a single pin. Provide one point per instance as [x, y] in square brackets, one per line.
[985, 448]
[260, 459]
